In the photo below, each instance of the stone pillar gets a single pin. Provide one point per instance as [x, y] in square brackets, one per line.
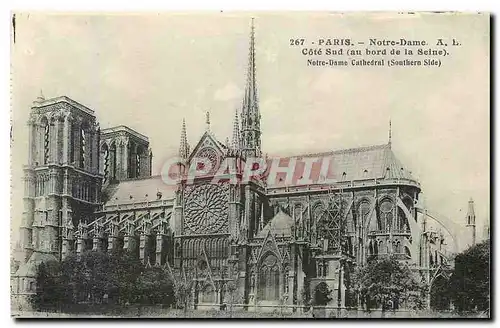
[67, 243]
[242, 267]
[143, 247]
[123, 159]
[54, 130]
[161, 246]
[82, 238]
[28, 215]
[96, 150]
[76, 133]
[66, 141]
[67, 218]
[52, 225]
[31, 143]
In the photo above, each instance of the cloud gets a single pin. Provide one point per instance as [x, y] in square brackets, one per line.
[228, 92]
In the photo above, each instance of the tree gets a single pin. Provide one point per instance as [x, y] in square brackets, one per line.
[155, 287]
[50, 290]
[183, 289]
[440, 293]
[94, 273]
[470, 280]
[322, 294]
[127, 269]
[231, 289]
[387, 281]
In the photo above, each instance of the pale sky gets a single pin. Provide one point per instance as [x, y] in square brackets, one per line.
[149, 71]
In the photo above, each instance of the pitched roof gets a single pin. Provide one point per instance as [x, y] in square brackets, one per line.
[138, 190]
[363, 163]
[280, 224]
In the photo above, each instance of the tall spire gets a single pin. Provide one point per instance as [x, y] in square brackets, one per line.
[250, 114]
[184, 146]
[236, 141]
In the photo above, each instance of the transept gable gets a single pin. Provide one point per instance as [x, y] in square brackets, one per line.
[269, 246]
[208, 140]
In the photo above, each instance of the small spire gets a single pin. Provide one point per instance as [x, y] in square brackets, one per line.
[471, 221]
[184, 146]
[471, 213]
[236, 132]
[390, 132]
[207, 121]
[40, 96]
[261, 221]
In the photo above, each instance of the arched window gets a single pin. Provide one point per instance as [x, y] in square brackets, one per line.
[402, 220]
[46, 143]
[397, 247]
[269, 279]
[83, 146]
[138, 160]
[113, 164]
[105, 162]
[178, 251]
[386, 213]
[364, 210]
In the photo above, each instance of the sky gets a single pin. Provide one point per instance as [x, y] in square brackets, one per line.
[149, 71]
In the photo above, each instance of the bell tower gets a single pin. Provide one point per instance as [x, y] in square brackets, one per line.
[61, 179]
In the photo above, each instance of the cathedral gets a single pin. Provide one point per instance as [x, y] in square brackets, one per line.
[276, 241]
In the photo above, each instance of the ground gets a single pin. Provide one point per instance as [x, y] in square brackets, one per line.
[134, 311]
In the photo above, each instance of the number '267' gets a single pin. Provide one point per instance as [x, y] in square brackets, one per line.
[297, 42]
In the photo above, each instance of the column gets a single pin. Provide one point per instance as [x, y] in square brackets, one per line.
[95, 150]
[66, 141]
[31, 152]
[129, 239]
[75, 132]
[53, 141]
[68, 236]
[113, 237]
[81, 240]
[160, 248]
[143, 247]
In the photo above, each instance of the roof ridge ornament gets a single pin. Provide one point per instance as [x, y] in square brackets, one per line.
[207, 120]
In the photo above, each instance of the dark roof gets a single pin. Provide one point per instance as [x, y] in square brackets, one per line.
[356, 164]
[138, 190]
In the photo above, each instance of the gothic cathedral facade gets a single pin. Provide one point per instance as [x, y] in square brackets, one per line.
[92, 189]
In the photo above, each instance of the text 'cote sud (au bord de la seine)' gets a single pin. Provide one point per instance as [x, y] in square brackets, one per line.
[374, 52]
